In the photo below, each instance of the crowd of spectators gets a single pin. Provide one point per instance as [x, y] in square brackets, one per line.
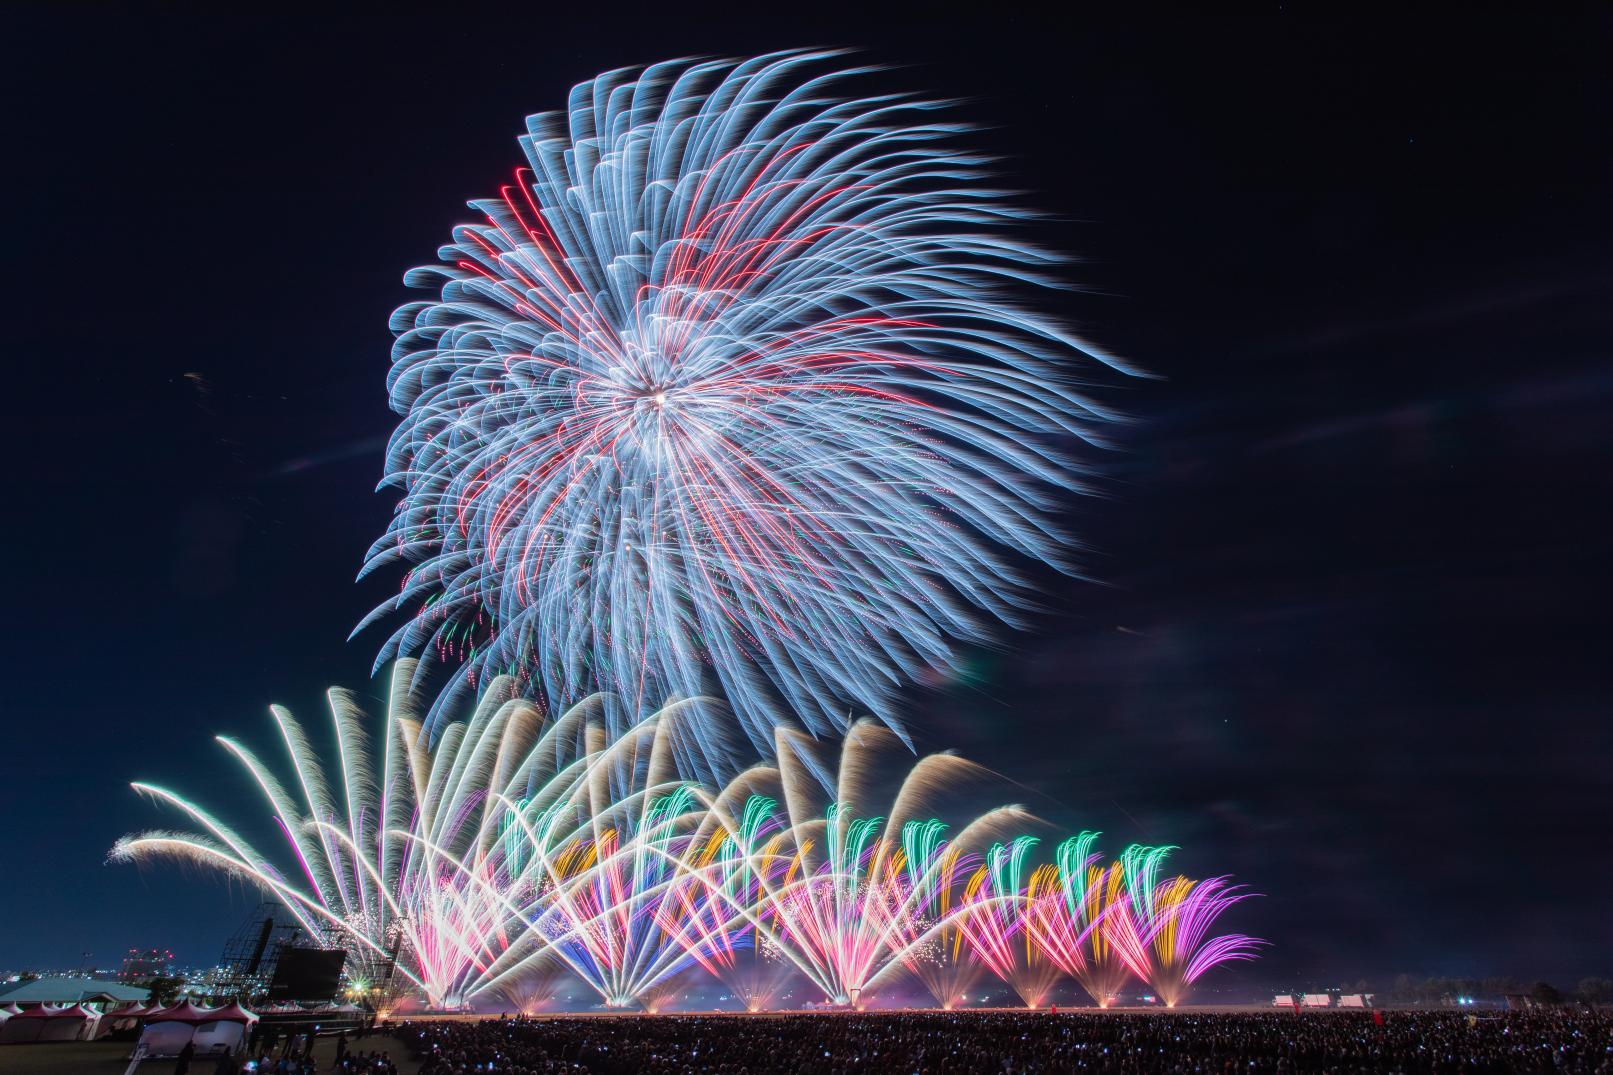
[350, 1061]
[939, 1043]
[296, 1056]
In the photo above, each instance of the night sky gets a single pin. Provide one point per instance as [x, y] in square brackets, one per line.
[1347, 632]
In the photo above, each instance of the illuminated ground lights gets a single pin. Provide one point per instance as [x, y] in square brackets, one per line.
[514, 855]
[731, 390]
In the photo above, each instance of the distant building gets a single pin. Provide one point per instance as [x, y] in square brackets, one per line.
[71, 990]
[144, 964]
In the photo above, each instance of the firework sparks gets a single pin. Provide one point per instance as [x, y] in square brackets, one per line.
[511, 853]
[724, 393]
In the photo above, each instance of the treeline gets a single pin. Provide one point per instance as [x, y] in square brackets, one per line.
[1409, 989]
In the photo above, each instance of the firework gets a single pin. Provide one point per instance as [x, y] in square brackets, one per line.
[725, 392]
[1078, 914]
[710, 910]
[937, 956]
[471, 864]
[535, 987]
[847, 896]
[511, 853]
[606, 862]
[1163, 931]
[388, 859]
[993, 917]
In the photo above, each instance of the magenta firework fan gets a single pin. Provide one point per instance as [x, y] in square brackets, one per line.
[729, 391]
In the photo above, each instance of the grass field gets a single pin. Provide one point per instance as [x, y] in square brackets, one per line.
[112, 1057]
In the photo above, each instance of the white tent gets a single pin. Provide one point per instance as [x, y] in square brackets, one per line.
[27, 1025]
[211, 1030]
[225, 1030]
[166, 1039]
[76, 1023]
[168, 1029]
[125, 1018]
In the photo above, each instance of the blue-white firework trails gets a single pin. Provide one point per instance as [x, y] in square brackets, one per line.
[729, 395]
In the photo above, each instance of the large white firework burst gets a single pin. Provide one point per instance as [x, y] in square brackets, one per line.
[730, 392]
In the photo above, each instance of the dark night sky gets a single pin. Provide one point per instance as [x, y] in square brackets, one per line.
[1349, 639]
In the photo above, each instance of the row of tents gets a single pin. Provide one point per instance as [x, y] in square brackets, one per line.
[165, 1030]
[1321, 1000]
[45, 1022]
